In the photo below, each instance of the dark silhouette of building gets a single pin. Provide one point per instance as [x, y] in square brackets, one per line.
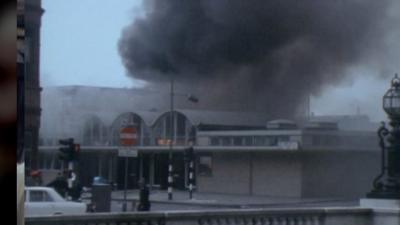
[32, 22]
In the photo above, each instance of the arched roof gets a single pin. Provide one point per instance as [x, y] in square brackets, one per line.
[165, 113]
[146, 116]
[93, 117]
[105, 117]
[226, 118]
[196, 117]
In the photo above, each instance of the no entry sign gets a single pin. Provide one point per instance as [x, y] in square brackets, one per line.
[128, 136]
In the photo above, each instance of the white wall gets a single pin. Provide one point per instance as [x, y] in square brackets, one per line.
[230, 174]
[323, 174]
[277, 174]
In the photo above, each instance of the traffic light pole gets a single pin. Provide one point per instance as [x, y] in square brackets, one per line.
[69, 153]
[172, 137]
[191, 177]
[189, 158]
[71, 172]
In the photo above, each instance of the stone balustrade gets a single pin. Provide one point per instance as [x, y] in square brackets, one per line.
[100, 219]
[311, 216]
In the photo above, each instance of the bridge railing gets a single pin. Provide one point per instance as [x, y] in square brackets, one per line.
[333, 216]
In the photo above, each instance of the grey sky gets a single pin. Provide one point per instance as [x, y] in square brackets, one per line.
[79, 42]
[79, 47]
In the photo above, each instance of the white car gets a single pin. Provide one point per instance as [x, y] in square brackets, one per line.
[44, 201]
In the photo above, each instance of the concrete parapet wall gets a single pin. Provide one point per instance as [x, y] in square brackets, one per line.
[386, 216]
[348, 216]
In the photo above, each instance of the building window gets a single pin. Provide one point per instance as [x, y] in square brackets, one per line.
[226, 141]
[259, 141]
[204, 167]
[316, 140]
[283, 138]
[331, 140]
[57, 163]
[237, 141]
[47, 161]
[41, 141]
[271, 141]
[248, 141]
[214, 141]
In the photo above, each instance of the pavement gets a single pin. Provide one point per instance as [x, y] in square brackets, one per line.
[159, 201]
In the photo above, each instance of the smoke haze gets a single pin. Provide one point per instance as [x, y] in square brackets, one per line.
[255, 55]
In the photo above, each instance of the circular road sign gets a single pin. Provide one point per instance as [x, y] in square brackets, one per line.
[128, 136]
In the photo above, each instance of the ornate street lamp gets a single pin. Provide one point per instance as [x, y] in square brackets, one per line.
[387, 184]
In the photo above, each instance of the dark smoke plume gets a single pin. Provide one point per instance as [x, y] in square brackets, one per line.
[252, 54]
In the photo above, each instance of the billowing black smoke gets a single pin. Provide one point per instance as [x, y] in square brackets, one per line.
[252, 54]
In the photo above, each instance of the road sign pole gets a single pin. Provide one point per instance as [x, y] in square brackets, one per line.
[128, 138]
[126, 185]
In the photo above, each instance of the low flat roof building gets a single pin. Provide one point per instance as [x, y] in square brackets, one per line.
[315, 161]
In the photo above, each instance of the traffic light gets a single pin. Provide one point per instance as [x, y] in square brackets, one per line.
[67, 151]
[188, 154]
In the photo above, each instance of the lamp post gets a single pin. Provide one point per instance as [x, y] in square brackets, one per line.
[191, 98]
[387, 184]
[171, 139]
